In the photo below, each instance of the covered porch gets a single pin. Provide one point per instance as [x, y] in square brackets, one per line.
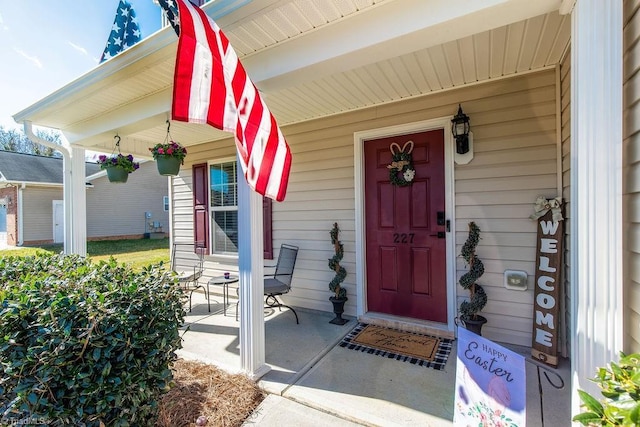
[315, 382]
[337, 74]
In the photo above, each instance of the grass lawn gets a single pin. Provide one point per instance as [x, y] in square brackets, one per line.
[137, 252]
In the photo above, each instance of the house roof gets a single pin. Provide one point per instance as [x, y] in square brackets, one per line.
[20, 167]
[311, 60]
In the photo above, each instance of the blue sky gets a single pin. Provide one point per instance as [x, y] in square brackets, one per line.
[45, 44]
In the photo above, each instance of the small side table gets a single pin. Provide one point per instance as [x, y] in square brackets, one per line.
[221, 280]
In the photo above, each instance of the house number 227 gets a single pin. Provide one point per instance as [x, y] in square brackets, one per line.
[403, 237]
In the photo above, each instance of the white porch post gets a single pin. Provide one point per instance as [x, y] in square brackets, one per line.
[73, 192]
[67, 192]
[596, 190]
[250, 268]
[78, 201]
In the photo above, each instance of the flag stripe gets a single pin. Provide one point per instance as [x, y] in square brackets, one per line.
[183, 74]
[211, 86]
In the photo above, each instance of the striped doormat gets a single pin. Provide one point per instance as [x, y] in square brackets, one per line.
[414, 348]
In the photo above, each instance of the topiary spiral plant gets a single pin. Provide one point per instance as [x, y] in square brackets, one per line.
[477, 296]
[334, 264]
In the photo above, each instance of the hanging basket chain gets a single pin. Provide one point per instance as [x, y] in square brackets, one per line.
[168, 138]
[117, 145]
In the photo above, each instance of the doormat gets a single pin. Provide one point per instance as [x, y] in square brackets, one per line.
[417, 349]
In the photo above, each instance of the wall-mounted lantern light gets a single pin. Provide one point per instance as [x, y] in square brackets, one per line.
[460, 131]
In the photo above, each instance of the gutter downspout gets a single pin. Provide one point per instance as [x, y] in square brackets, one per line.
[75, 223]
[20, 239]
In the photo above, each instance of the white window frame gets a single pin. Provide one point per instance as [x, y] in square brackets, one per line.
[211, 209]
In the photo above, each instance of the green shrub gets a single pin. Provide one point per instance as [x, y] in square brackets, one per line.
[85, 344]
[620, 384]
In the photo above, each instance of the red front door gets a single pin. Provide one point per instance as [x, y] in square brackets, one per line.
[405, 229]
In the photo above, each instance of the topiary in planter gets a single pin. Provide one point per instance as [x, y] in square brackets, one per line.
[334, 264]
[477, 296]
[85, 344]
[339, 296]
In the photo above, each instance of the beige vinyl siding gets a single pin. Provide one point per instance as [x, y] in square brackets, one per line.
[515, 160]
[631, 173]
[119, 209]
[565, 136]
[514, 125]
[37, 216]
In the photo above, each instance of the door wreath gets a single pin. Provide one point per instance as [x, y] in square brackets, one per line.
[401, 170]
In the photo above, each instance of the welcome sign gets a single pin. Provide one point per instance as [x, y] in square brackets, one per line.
[546, 304]
[490, 384]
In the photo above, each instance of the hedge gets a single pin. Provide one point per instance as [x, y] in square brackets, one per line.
[85, 344]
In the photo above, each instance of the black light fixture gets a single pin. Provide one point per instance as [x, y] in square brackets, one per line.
[460, 131]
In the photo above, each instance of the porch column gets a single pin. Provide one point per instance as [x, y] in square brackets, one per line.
[596, 190]
[78, 200]
[73, 192]
[250, 268]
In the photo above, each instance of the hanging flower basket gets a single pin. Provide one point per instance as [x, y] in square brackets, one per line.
[118, 166]
[169, 155]
[168, 166]
[117, 174]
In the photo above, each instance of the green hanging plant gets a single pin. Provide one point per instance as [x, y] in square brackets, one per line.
[477, 296]
[334, 264]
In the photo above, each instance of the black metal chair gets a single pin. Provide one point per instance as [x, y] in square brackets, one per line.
[279, 283]
[187, 278]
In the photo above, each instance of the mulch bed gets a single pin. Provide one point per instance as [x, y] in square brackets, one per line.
[201, 390]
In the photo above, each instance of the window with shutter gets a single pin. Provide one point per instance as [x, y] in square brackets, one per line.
[224, 208]
[220, 222]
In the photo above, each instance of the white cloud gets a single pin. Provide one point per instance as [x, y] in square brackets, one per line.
[33, 59]
[2, 25]
[83, 51]
[78, 48]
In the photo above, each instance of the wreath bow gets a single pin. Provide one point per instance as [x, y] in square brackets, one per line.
[401, 170]
[544, 205]
[398, 165]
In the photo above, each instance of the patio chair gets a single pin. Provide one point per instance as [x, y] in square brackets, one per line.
[279, 283]
[189, 278]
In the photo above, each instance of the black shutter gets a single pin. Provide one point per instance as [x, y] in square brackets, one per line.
[200, 205]
[266, 220]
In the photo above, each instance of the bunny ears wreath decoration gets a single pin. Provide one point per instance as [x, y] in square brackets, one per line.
[401, 170]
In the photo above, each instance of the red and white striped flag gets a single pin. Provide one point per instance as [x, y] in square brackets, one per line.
[211, 86]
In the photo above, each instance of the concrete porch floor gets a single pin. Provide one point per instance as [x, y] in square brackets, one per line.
[314, 382]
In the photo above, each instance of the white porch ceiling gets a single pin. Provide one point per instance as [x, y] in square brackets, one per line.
[312, 59]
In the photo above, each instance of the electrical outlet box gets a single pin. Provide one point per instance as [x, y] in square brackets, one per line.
[515, 280]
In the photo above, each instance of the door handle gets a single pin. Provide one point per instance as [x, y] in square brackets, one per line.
[439, 235]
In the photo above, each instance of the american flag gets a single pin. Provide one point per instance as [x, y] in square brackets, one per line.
[125, 31]
[211, 86]
[171, 11]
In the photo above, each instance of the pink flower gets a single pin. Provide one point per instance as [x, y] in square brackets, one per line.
[160, 150]
[170, 151]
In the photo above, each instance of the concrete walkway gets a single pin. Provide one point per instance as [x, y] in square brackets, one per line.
[314, 382]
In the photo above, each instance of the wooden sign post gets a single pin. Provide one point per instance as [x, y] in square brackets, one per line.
[547, 291]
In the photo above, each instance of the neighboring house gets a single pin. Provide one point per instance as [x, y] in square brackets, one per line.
[542, 82]
[32, 197]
